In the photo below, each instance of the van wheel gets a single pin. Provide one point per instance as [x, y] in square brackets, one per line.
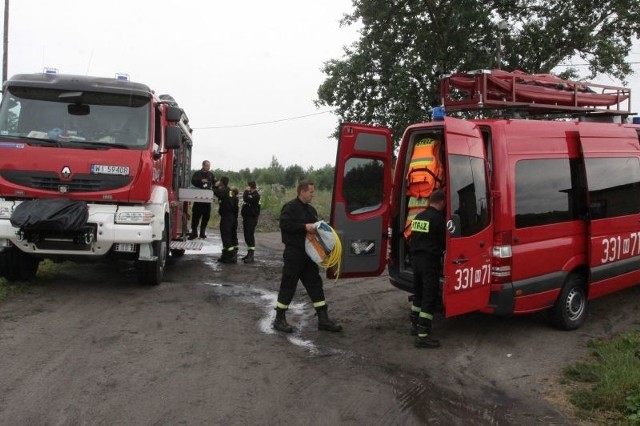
[151, 273]
[570, 310]
[16, 265]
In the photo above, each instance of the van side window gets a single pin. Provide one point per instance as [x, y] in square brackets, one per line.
[469, 195]
[363, 184]
[545, 193]
[614, 186]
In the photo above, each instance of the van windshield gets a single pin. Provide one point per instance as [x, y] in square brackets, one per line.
[70, 118]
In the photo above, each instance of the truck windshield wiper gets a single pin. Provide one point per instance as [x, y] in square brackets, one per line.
[34, 141]
[93, 145]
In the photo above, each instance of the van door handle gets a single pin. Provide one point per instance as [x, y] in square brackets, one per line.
[460, 260]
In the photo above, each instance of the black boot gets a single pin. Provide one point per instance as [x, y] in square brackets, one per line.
[280, 323]
[202, 233]
[193, 235]
[228, 256]
[414, 323]
[423, 340]
[249, 257]
[324, 323]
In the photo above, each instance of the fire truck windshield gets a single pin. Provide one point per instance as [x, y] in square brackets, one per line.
[73, 118]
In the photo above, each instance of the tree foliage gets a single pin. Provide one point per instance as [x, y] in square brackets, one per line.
[390, 75]
[277, 174]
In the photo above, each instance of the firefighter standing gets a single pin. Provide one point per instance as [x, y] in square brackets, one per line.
[201, 212]
[250, 212]
[297, 218]
[225, 209]
[427, 245]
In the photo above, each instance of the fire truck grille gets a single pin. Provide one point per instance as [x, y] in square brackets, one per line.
[50, 181]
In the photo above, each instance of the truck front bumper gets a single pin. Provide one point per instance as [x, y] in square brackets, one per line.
[103, 232]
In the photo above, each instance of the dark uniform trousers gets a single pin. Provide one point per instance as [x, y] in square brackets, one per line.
[299, 266]
[200, 211]
[426, 281]
[226, 232]
[249, 224]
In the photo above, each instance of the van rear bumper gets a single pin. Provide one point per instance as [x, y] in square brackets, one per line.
[501, 302]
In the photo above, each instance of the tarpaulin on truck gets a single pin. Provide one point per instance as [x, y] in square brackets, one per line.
[56, 214]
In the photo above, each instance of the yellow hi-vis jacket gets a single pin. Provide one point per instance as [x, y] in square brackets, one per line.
[425, 175]
[425, 170]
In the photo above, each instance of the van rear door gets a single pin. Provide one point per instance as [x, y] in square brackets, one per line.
[361, 195]
[467, 260]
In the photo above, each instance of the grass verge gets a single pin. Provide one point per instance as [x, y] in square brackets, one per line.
[605, 388]
[8, 289]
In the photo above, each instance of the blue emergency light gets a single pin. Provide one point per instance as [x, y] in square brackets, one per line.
[122, 76]
[48, 70]
[438, 113]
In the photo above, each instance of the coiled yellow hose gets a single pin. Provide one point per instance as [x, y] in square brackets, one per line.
[335, 257]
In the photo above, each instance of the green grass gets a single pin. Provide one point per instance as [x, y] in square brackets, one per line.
[8, 289]
[607, 385]
[271, 204]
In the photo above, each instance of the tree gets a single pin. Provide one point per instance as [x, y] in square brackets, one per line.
[292, 175]
[323, 177]
[390, 75]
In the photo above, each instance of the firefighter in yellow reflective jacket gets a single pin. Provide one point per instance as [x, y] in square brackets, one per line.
[427, 246]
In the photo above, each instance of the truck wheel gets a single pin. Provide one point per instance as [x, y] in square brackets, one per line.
[570, 310]
[16, 265]
[177, 253]
[151, 273]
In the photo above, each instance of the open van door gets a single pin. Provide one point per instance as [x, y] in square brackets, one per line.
[361, 196]
[467, 260]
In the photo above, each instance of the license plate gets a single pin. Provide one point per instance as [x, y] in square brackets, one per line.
[101, 169]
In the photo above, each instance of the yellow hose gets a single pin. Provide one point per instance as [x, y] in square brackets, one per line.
[334, 258]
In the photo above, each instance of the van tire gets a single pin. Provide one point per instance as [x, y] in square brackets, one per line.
[570, 310]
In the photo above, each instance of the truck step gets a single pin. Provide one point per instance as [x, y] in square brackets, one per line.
[186, 245]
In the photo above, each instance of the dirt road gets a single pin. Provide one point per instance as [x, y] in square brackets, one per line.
[87, 345]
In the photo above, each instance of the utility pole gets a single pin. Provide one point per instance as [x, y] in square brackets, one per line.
[5, 42]
[503, 27]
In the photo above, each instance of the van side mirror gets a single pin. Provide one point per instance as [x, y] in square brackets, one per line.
[174, 114]
[453, 226]
[172, 137]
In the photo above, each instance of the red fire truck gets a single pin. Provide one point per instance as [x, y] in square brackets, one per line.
[90, 168]
[542, 214]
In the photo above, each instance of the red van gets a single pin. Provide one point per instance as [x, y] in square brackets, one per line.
[541, 214]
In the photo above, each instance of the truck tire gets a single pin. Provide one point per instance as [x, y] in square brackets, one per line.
[151, 273]
[177, 253]
[16, 265]
[570, 310]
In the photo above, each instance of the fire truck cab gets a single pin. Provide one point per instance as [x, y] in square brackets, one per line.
[542, 214]
[90, 168]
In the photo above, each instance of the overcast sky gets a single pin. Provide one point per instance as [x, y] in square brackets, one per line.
[231, 65]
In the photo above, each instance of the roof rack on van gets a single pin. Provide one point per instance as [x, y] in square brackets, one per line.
[544, 94]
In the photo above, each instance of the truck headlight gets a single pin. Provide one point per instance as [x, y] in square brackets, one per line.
[134, 217]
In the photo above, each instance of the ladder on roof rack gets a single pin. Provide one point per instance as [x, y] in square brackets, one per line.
[534, 93]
